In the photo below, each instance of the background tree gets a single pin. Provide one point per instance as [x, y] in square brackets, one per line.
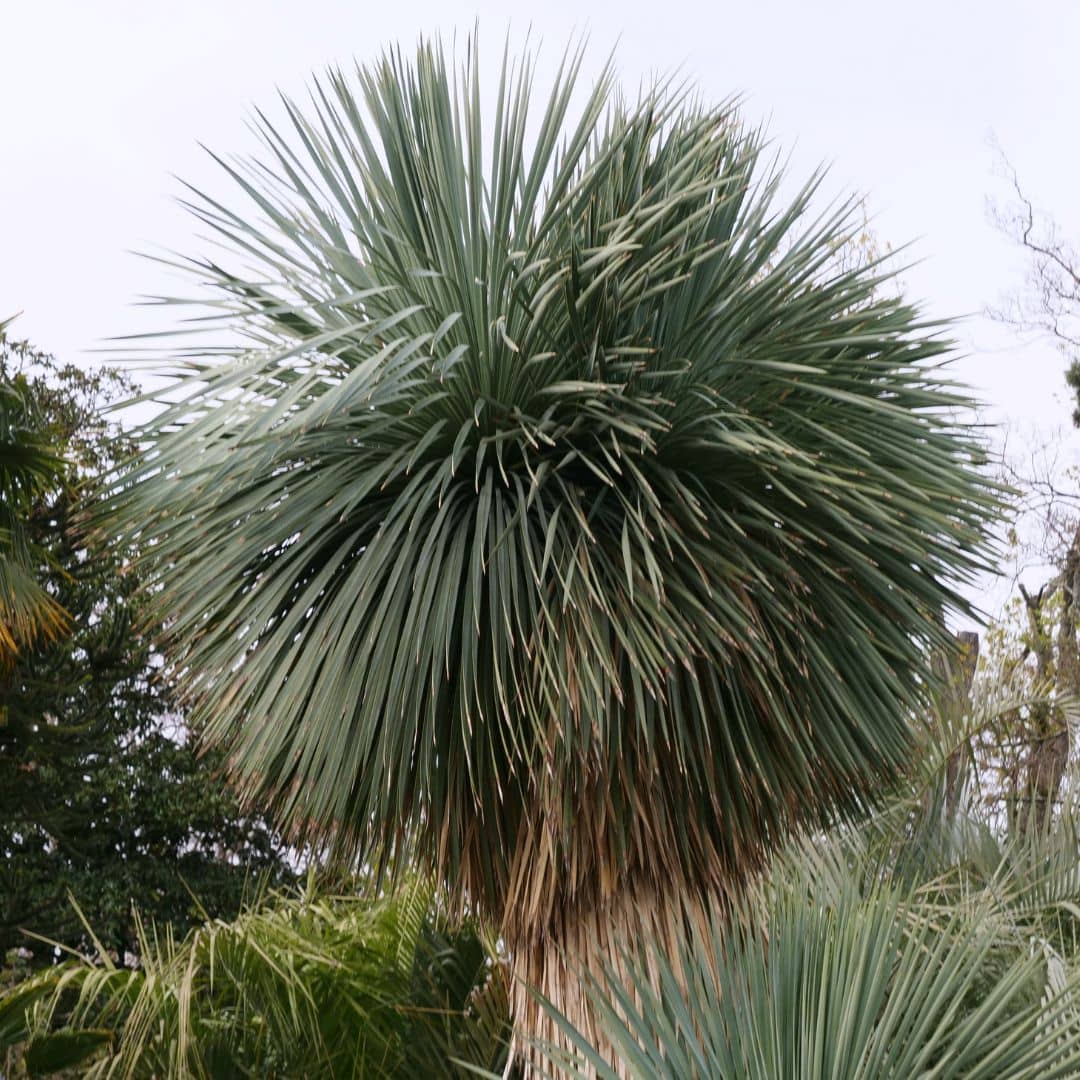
[1037, 644]
[572, 525]
[1049, 302]
[101, 793]
[1033, 653]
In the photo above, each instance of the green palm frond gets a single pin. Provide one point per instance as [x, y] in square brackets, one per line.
[839, 984]
[308, 987]
[29, 469]
[571, 522]
[27, 610]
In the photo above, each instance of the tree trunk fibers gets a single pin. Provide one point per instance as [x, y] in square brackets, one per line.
[583, 950]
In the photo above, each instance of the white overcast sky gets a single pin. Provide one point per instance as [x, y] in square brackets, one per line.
[103, 103]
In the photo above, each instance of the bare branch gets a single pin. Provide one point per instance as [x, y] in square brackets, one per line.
[1049, 303]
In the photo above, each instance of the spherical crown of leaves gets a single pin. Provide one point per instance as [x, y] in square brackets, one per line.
[569, 513]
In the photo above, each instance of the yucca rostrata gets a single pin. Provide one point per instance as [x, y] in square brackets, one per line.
[567, 521]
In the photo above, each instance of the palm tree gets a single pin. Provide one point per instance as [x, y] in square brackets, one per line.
[567, 522]
[29, 468]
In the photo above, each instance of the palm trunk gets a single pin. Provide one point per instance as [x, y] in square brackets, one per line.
[586, 949]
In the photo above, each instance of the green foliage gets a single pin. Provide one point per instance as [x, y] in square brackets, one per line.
[915, 944]
[30, 464]
[838, 984]
[570, 521]
[101, 793]
[301, 987]
[49, 1054]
